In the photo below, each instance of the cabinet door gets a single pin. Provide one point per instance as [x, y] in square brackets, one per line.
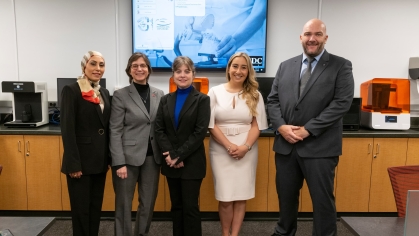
[109, 195]
[207, 201]
[353, 175]
[65, 199]
[387, 152]
[412, 152]
[260, 202]
[43, 172]
[13, 178]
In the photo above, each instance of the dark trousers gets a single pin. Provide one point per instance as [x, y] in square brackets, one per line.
[184, 194]
[86, 197]
[319, 173]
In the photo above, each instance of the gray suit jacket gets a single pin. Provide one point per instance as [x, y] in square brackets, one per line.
[320, 108]
[131, 126]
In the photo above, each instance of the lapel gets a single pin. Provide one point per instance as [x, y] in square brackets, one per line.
[318, 70]
[171, 102]
[133, 93]
[99, 110]
[296, 70]
[154, 99]
[188, 103]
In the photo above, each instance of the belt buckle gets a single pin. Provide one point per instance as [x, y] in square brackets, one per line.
[101, 131]
[231, 131]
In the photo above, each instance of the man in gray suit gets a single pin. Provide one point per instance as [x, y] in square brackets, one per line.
[306, 106]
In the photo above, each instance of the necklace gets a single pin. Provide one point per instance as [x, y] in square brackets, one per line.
[146, 96]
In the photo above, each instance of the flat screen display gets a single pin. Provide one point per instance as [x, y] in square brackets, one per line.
[61, 82]
[207, 31]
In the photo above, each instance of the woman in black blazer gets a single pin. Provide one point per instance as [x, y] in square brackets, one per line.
[84, 114]
[181, 125]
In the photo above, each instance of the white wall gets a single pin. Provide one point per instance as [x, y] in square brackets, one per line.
[41, 40]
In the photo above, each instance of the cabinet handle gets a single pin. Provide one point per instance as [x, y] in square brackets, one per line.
[377, 151]
[18, 146]
[27, 148]
[369, 148]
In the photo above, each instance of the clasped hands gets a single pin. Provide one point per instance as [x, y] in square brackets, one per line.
[293, 134]
[172, 163]
[236, 152]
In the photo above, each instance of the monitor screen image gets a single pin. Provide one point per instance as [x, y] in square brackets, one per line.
[207, 31]
[61, 82]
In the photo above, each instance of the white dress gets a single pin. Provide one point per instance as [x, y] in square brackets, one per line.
[233, 179]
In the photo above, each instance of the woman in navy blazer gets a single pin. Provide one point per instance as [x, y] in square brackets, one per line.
[85, 112]
[181, 125]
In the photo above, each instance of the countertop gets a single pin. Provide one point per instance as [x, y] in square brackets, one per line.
[362, 133]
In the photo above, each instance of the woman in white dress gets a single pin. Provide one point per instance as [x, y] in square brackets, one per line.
[237, 116]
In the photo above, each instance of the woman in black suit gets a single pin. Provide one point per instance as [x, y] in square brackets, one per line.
[181, 125]
[84, 114]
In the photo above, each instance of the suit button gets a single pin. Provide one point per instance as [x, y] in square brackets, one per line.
[296, 109]
[151, 138]
[148, 123]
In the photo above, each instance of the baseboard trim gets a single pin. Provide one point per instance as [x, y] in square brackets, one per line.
[205, 216]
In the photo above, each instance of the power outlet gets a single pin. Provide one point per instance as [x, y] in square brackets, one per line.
[52, 104]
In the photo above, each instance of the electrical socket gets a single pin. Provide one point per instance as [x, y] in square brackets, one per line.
[52, 104]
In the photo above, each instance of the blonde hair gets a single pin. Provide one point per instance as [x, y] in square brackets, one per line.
[250, 85]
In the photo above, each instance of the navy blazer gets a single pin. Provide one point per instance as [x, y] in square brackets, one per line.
[187, 141]
[85, 132]
[327, 97]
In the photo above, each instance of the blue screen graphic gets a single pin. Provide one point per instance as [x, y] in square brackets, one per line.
[207, 31]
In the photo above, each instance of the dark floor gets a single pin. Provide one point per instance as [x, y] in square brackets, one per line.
[209, 228]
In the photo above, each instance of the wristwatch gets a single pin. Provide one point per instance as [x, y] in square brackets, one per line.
[248, 147]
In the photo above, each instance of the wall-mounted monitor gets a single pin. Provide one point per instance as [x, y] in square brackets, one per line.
[207, 31]
[61, 82]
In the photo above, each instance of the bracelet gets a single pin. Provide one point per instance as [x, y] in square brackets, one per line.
[248, 147]
[228, 149]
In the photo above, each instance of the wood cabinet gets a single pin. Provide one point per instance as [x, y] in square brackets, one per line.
[13, 178]
[412, 151]
[31, 178]
[363, 184]
[354, 175]
[386, 152]
[31, 175]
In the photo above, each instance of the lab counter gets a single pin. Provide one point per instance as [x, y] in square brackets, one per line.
[362, 133]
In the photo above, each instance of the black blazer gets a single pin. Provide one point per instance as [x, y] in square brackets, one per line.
[187, 141]
[85, 132]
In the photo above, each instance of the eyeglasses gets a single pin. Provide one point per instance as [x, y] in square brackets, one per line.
[135, 66]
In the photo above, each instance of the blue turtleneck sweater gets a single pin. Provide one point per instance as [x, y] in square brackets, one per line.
[181, 95]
